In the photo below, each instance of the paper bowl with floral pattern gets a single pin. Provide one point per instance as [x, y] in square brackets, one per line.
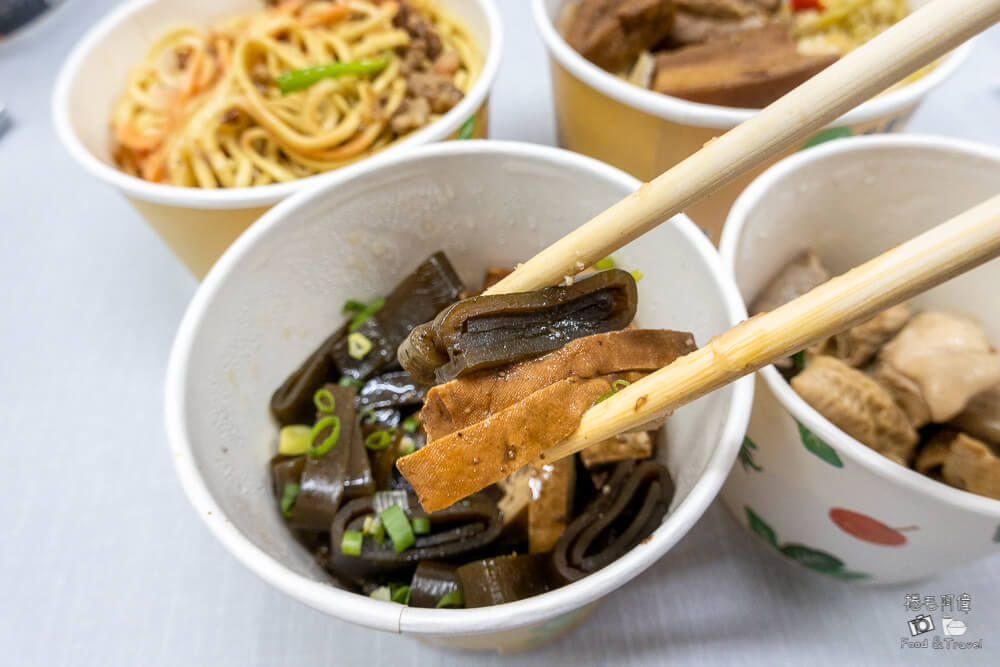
[276, 294]
[645, 133]
[808, 489]
[198, 224]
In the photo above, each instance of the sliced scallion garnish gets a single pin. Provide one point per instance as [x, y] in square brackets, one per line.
[324, 401]
[406, 445]
[401, 594]
[351, 544]
[352, 306]
[411, 424]
[799, 359]
[300, 79]
[358, 346]
[288, 497]
[399, 528]
[421, 525]
[293, 440]
[368, 417]
[381, 593]
[637, 275]
[365, 313]
[350, 382]
[604, 264]
[451, 599]
[615, 388]
[378, 440]
[332, 423]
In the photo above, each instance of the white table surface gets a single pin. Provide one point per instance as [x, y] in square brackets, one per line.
[104, 563]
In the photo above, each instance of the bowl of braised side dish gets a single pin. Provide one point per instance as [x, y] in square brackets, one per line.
[643, 84]
[361, 426]
[872, 456]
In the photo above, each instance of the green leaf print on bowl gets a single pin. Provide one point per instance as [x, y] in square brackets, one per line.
[746, 455]
[760, 527]
[818, 447]
[814, 559]
[826, 135]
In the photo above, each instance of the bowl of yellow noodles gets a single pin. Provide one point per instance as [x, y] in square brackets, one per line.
[206, 114]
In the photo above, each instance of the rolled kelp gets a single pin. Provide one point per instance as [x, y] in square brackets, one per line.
[395, 390]
[418, 298]
[493, 330]
[628, 509]
[458, 532]
[501, 579]
[431, 582]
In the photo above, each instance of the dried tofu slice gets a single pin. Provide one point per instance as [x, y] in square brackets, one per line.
[472, 458]
[551, 506]
[625, 446]
[459, 403]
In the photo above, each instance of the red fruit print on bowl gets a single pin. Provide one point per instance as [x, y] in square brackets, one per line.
[867, 529]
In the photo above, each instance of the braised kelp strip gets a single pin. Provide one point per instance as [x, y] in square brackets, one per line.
[395, 389]
[433, 286]
[418, 298]
[323, 477]
[432, 581]
[458, 532]
[475, 396]
[503, 579]
[626, 511]
[292, 402]
[494, 330]
[484, 453]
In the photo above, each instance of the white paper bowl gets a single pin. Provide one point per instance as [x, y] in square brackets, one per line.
[645, 133]
[277, 292]
[851, 200]
[198, 224]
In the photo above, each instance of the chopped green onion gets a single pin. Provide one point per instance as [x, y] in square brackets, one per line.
[799, 358]
[358, 346]
[399, 528]
[324, 400]
[615, 388]
[451, 599]
[288, 498]
[421, 525]
[333, 423]
[468, 129]
[365, 313]
[351, 544]
[381, 593]
[373, 527]
[411, 424]
[294, 440]
[378, 440]
[352, 306]
[350, 382]
[300, 79]
[637, 275]
[604, 264]
[406, 445]
[368, 417]
[401, 595]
